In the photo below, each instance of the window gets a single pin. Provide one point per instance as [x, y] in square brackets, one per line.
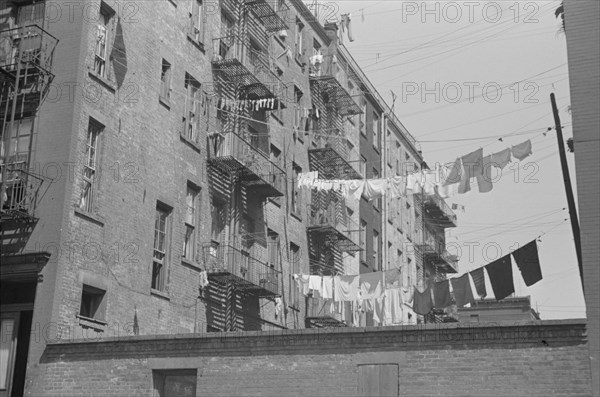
[376, 202]
[375, 249]
[474, 318]
[296, 199]
[20, 142]
[191, 217]
[102, 40]
[159, 261]
[92, 303]
[388, 151]
[363, 166]
[86, 201]
[376, 133]
[9, 330]
[197, 21]
[298, 108]
[273, 247]
[219, 219]
[191, 114]
[362, 240]
[165, 80]
[398, 159]
[295, 269]
[276, 159]
[362, 123]
[299, 45]
[389, 255]
[174, 382]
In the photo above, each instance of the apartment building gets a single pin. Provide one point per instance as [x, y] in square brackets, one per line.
[151, 152]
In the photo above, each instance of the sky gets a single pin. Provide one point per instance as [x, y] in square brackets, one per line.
[465, 74]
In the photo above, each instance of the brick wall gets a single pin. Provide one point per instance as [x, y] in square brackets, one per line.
[545, 358]
[582, 29]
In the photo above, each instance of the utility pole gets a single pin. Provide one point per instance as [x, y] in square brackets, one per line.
[568, 187]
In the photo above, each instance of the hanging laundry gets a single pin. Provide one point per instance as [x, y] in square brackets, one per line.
[379, 311]
[422, 302]
[441, 294]
[479, 281]
[356, 188]
[397, 306]
[397, 186]
[484, 180]
[430, 181]
[522, 150]
[375, 188]
[203, 279]
[278, 306]
[501, 159]
[447, 191]
[387, 306]
[302, 283]
[393, 278]
[528, 262]
[454, 174]
[327, 287]
[472, 166]
[315, 283]
[346, 25]
[346, 288]
[356, 311]
[462, 290]
[500, 273]
[414, 182]
[371, 285]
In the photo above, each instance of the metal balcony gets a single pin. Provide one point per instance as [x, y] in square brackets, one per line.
[436, 254]
[332, 268]
[225, 263]
[319, 315]
[26, 55]
[331, 224]
[325, 82]
[437, 211]
[246, 67]
[22, 190]
[232, 153]
[330, 154]
[265, 12]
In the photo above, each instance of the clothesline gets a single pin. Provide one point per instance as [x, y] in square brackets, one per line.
[429, 182]
[499, 273]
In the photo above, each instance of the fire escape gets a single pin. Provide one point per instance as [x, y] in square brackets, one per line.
[331, 232]
[431, 249]
[241, 266]
[25, 75]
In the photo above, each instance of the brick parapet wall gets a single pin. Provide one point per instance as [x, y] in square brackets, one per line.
[542, 358]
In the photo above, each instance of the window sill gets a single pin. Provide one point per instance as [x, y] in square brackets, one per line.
[195, 146]
[296, 216]
[191, 264]
[160, 294]
[165, 102]
[103, 81]
[95, 324]
[89, 217]
[275, 202]
[198, 44]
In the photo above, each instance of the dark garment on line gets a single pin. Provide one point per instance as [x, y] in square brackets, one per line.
[528, 263]
[441, 294]
[479, 281]
[462, 290]
[500, 273]
[422, 302]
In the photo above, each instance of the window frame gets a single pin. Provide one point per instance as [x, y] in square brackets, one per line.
[296, 198]
[191, 110]
[159, 377]
[190, 222]
[90, 171]
[105, 17]
[159, 280]
[165, 80]
[98, 297]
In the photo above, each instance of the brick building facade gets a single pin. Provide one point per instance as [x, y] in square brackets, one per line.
[136, 163]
